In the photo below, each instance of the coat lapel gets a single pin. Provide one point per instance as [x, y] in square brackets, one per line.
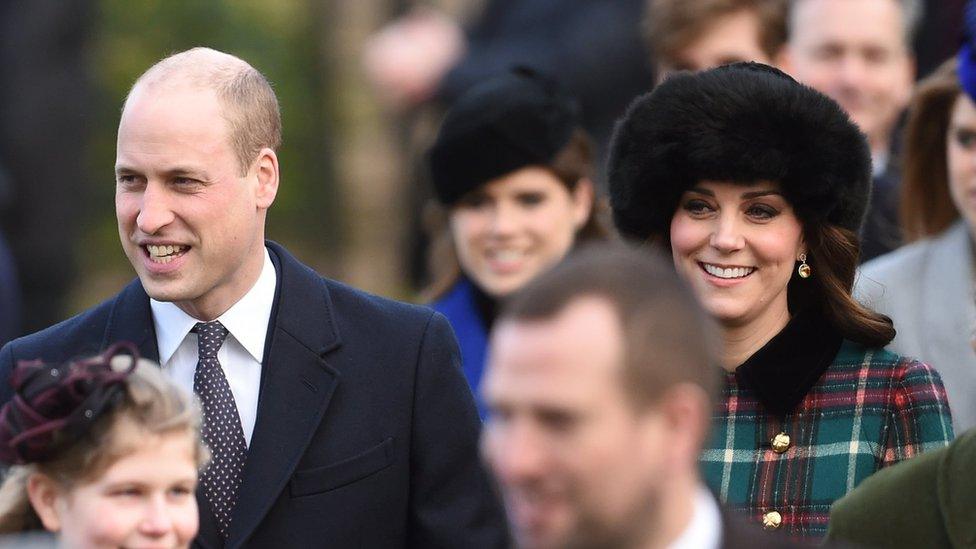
[131, 320]
[297, 385]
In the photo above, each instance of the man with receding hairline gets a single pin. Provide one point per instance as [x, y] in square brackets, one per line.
[333, 417]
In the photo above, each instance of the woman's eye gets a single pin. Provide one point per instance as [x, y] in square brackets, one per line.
[531, 199]
[966, 138]
[696, 206]
[761, 211]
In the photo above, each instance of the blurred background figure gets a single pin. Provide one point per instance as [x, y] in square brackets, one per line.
[512, 169]
[102, 452]
[757, 185]
[701, 34]
[601, 380]
[927, 287]
[593, 47]
[10, 293]
[45, 128]
[859, 52]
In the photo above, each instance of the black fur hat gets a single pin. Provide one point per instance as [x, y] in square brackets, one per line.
[512, 121]
[743, 123]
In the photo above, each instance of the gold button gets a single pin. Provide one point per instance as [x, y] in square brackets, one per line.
[781, 443]
[772, 520]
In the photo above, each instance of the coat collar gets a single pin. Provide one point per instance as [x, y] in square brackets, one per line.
[784, 370]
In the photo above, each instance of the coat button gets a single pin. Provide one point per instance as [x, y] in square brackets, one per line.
[780, 443]
[772, 520]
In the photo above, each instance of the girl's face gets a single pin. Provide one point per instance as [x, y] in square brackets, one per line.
[737, 245]
[961, 158]
[512, 228]
[144, 499]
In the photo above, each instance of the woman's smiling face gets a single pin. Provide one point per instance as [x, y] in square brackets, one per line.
[737, 245]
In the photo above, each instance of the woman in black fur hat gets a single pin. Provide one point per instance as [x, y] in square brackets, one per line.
[758, 186]
[511, 168]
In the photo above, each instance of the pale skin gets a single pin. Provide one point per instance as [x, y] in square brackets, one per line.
[576, 459]
[515, 226]
[144, 499]
[180, 189]
[737, 245]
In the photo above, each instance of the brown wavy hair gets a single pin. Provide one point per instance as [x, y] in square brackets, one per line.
[926, 205]
[573, 163]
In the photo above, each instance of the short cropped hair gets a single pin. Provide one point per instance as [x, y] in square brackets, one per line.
[911, 10]
[667, 337]
[250, 105]
[672, 25]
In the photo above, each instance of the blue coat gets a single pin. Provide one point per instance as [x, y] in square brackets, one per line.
[461, 310]
[9, 295]
[366, 435]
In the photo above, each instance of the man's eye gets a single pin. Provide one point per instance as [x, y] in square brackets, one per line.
[472, 200]
[531, 199]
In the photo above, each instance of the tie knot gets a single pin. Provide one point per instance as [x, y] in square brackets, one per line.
[210, 336]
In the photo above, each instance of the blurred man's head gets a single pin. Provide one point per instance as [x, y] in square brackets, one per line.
[702, 34]
[196, 171]
[859, 53]
[600, 383]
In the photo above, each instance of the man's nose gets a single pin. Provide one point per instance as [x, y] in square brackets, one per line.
[518, 456]
[155, 211]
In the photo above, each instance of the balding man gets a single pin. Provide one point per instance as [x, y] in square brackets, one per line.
[334, 418]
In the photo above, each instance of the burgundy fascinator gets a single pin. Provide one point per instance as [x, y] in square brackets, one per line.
[54, 405]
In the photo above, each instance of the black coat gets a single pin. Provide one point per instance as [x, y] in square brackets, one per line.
[366, 432]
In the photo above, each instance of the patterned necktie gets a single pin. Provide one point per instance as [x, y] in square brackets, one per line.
[222, 430]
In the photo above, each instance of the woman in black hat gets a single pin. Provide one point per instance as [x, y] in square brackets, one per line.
[758, 186]
[511, 167]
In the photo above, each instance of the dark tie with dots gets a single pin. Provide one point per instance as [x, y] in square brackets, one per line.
[221, 426]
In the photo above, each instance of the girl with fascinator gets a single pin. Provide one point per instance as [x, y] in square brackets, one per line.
[757, 186]
[928, 287]
[103, 452]
[511, 168]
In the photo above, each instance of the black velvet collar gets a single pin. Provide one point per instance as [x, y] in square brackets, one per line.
[782, 372]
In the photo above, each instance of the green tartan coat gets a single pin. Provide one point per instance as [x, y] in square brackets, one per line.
[809, 416]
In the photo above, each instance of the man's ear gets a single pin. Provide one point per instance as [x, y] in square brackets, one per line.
[267, 174]
[44, 494]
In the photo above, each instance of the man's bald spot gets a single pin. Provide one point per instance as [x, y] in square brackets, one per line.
[250, 106]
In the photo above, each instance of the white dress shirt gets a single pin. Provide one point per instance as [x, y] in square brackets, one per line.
[704, 530]
[241, 354]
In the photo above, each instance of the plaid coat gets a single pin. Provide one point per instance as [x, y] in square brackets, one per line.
[810, 416]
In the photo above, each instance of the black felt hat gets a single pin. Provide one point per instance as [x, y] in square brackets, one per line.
[741, 123]
[512, 121]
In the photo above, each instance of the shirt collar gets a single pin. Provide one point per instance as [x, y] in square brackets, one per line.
[247, 320]
[704, 530]
[784, 370]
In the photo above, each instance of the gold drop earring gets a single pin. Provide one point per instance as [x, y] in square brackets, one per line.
[804, 270]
